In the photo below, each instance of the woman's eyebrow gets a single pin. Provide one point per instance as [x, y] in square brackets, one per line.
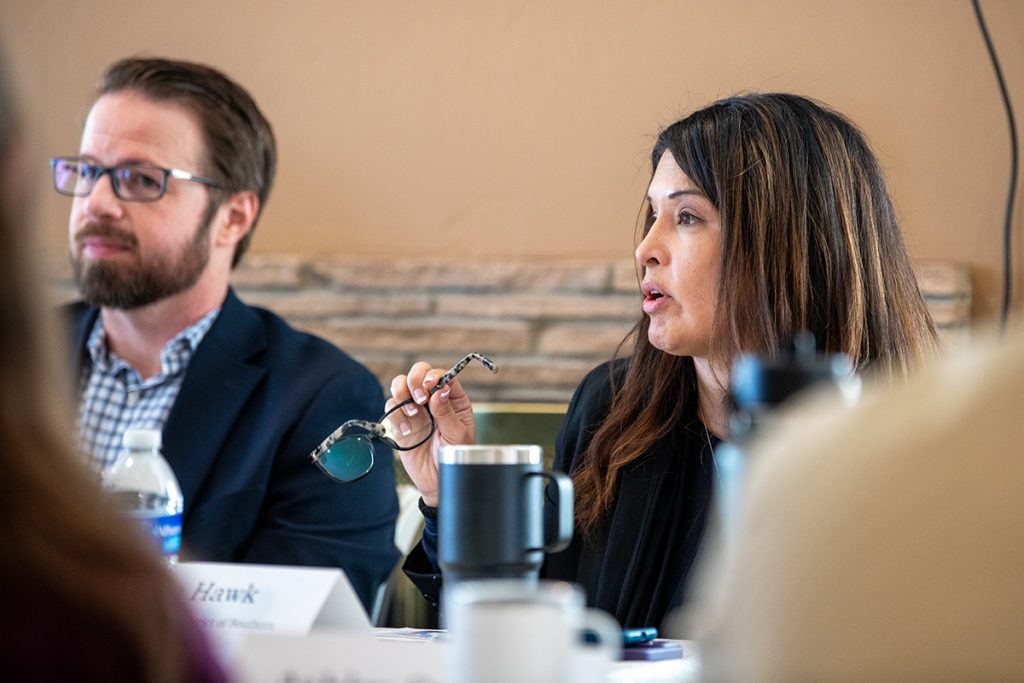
[677, 193]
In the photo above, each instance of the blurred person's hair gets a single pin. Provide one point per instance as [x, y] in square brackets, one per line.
[240, 152]
[810, 241]
[56, 531]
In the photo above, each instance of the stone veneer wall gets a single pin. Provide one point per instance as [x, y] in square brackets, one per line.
[544, 323]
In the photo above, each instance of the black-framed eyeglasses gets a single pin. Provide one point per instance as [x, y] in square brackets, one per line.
[133, 181]
[347, 454]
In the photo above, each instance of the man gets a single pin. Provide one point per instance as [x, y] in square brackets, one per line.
[175, 165]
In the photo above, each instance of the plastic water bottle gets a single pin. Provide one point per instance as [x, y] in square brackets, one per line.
[143, 486]
[758, 386]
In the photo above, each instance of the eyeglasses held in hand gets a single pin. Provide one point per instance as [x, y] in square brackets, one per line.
[347, 454]
[132, 181]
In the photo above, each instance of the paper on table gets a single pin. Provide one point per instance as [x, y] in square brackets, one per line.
[327, 656]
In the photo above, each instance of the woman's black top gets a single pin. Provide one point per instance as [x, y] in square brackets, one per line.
[637, 563]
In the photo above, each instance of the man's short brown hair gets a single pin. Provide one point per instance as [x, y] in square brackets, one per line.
[240, 150]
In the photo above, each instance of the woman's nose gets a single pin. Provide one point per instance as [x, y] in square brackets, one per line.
[650, 251]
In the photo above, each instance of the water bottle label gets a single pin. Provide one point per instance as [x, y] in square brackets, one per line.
[166, 529]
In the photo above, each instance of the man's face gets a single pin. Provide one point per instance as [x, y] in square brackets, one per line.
[130, 254]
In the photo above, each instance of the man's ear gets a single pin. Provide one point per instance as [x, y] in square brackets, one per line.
[235, 218]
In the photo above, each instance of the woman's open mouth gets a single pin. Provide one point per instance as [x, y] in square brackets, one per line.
[653, 297]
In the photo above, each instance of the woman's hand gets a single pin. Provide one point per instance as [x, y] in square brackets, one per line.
[453, 415]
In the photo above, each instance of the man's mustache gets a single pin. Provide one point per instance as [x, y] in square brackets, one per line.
[109, 232]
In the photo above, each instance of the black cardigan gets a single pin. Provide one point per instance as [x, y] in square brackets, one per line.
[637, 564]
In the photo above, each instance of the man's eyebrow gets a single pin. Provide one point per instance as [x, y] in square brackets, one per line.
[132, 160]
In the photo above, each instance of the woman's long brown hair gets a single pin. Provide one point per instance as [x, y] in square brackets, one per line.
[55, 531]
[810, 241]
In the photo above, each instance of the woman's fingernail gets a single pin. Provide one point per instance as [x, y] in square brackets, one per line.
[419, 395]
[410, 409]
[405, 429]
[445, 392]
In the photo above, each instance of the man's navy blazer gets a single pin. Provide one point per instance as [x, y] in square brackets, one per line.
[257, 398]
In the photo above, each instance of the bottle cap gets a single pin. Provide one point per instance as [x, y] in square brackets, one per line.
[767, 381]
[141, 438]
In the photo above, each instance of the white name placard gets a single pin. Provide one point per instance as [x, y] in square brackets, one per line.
[233, 599]
[325, 657]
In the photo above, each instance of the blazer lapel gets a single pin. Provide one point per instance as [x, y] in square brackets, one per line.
[218, 383]
[81, 318]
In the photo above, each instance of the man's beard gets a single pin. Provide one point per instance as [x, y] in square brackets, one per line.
[146, 280]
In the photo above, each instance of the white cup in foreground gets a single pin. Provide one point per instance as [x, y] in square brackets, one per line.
[510, 631]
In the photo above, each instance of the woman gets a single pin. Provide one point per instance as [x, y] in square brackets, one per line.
[84, 598]
[767, 214]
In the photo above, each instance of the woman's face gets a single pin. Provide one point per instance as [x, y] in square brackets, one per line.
[680, 257]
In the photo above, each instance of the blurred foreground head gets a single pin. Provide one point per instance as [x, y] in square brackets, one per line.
[70, 568]
[882, 542]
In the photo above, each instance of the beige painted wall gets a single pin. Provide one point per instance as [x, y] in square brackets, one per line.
[488, 129]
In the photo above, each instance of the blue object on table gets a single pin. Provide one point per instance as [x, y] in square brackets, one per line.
[633, 636]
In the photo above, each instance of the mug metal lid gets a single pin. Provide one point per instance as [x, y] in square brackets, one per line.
[491, 455]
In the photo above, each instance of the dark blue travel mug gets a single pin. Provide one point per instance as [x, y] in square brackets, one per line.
[491, 512]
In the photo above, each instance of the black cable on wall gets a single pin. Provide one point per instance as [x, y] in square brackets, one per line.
[1007, 225]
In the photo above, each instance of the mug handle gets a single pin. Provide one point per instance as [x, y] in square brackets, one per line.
[565, 510]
